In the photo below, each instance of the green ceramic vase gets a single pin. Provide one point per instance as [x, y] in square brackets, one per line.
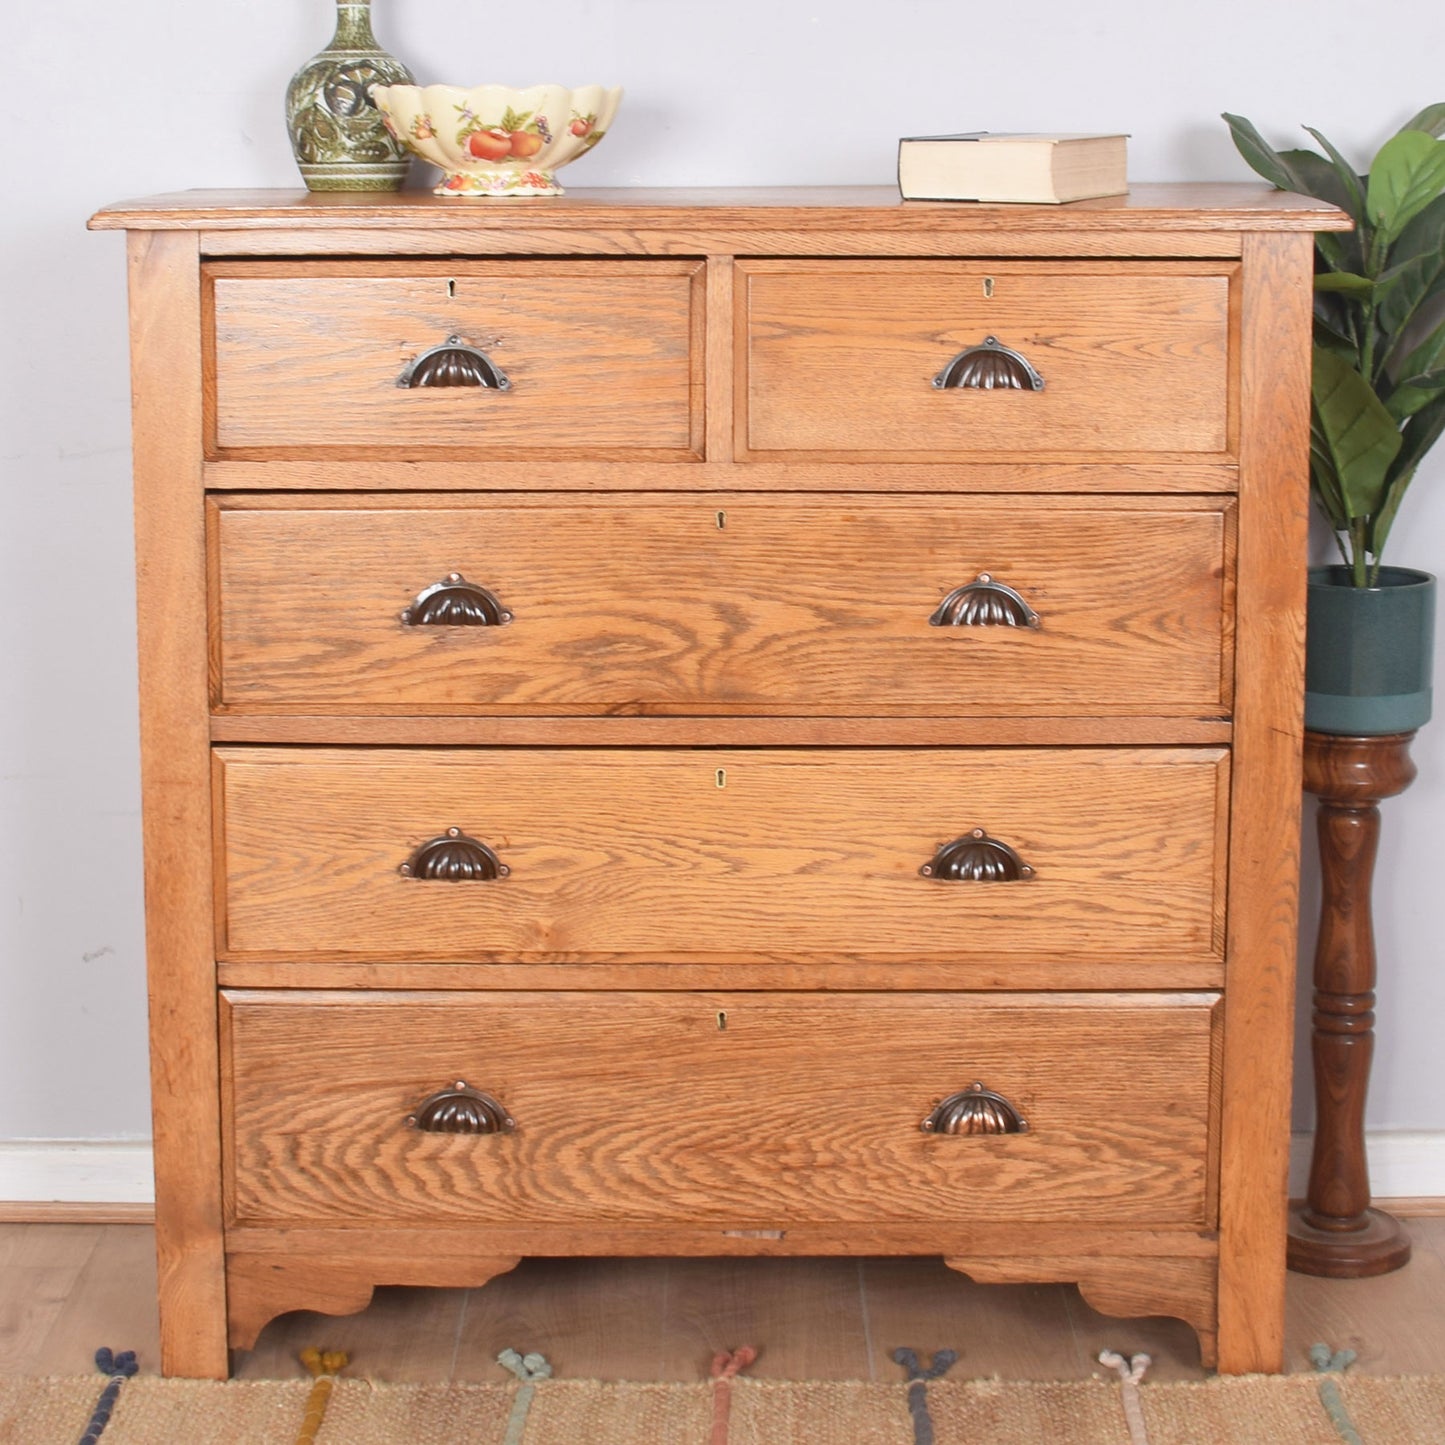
[1369, 652]
[337, 134]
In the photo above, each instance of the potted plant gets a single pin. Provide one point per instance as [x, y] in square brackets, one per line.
[1378, 407]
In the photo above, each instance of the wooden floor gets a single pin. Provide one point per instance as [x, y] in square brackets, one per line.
[67, 1288]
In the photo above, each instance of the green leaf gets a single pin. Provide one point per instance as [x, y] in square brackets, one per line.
[1337, 345]
[1402, 290]
[1415, 393]
[1341, 251]
[1431, 120]
[1324, 182]
[1428, 356]
[1422, 234]
[1262, 158]
[1345, 281]
[1407, 174]
[1385, 518]
[1359, 435]
[1418, 435]
[1307, 174]
[1325, 480]
[1345, 174]
[1336, 323]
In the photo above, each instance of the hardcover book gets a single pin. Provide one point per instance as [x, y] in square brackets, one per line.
[1012, 166]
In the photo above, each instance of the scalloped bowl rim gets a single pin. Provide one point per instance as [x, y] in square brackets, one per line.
[412, 115]
[607, 99]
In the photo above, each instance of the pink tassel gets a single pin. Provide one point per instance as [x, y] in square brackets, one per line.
[724, 1367]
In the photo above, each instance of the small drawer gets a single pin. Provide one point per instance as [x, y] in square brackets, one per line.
[734, 1109]
[427, 358]
[943, 360]
[721, 855]
[863, 606]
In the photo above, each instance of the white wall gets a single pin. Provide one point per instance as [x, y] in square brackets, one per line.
[110, 101]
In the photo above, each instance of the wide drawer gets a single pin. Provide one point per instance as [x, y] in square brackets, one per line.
[722, 605]
[747, 1110]
[725, 855]
[853, 358]
[599, 358]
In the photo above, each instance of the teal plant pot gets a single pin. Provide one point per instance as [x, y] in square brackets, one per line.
[1368, 652]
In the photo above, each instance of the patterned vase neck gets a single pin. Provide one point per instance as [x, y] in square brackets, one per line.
[353, 27]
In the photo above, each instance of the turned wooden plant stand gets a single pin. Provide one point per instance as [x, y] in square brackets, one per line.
[1335, 1232]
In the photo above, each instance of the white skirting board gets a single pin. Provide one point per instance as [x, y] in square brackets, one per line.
[77, 1171]
[1403, 1165]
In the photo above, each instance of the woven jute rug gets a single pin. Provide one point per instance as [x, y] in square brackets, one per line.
[1252, 1410]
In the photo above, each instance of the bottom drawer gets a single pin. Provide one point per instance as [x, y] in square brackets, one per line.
[740, 1108]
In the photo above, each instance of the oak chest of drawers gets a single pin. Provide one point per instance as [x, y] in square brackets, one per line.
[720, 723]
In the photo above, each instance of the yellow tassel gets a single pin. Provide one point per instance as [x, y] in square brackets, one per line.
[325, 1367]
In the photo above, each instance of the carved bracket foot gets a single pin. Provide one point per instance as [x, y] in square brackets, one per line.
[1183, 1289]
[261, 1286]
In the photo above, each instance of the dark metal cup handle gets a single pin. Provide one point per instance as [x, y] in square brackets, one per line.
[461, 1109]
[984, 603]
[976, 858]
[454, 363]
[455, 602]
[975, 1110]
[990, 366]
[454, 858]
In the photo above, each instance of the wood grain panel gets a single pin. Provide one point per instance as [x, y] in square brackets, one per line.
[635, 1107]
[839, 357]
[799, 854]
[1182, 212]
[454, 469]
[538, 240]
[713, 730]
[170, 583]
[603, 357]
[1007, 971]
[1264, 832]
[724, 604]
[959, 1235]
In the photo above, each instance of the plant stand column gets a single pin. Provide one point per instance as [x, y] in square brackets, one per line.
[1335, 1232]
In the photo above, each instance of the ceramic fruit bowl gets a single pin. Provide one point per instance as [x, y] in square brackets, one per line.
[495, 141]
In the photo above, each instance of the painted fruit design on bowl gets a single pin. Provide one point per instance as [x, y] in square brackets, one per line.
[492, 141]
[519, 134]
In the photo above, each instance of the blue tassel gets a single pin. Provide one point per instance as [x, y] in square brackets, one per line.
[120, 1368]
[918, 1388]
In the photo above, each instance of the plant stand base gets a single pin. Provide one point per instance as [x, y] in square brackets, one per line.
[1378, 1247]
[1336, 1233]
